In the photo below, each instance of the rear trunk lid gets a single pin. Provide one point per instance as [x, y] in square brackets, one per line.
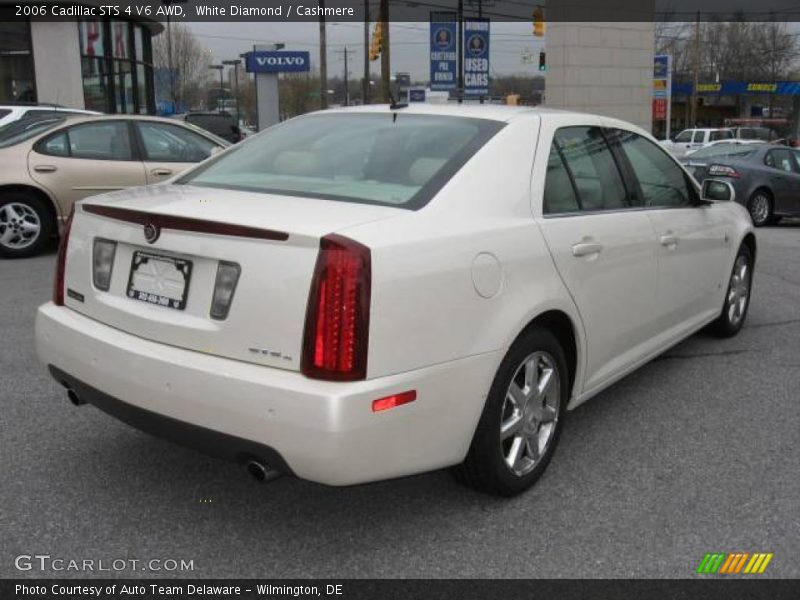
[162, 290]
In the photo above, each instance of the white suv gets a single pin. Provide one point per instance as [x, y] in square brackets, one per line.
[692, 139]
[13, 112]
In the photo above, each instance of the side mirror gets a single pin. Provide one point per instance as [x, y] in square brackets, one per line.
[717, 190]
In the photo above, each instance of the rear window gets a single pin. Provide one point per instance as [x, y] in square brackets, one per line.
[25, 129]
[4, 113]
[723, 134]
[395, 159]
[218, 124]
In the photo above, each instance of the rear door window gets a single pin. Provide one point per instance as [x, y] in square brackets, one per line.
[684, 137]
[103, 140]
[559, 193]
[721, 135]
[780, 159]
[662, 181]
[593, 168]
[699, 137]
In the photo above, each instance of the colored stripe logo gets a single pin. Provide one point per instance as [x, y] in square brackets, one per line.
[734, 563]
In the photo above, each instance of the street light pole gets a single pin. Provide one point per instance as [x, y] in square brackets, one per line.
[219, 68]
[235, 63]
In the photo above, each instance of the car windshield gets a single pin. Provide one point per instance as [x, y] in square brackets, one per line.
[737, 151]
[25, 129]
[392, 159]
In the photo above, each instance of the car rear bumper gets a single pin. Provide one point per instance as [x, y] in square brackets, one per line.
[318, 430]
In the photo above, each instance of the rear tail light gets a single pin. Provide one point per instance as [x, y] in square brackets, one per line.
[337, 317]
[61, 262]
[224, 286]
[722, 170]
[103, 254]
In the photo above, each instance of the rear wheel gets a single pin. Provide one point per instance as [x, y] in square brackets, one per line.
[25, 225]
[760, 207]
[737, 300]
[521, 421]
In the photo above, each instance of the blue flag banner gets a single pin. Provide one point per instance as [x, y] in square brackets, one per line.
[476, 57]
[443, 51]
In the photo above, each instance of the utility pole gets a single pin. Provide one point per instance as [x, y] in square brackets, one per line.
[696, 72]
[365, 80]
[323, 59]
[386, 64]
[345, 52]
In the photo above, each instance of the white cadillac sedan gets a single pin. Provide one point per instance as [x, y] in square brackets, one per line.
[368, 293]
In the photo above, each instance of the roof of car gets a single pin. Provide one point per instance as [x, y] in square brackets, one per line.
[495, 112]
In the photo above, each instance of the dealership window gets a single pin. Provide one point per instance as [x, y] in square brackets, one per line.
[117, 66]
[17, 81]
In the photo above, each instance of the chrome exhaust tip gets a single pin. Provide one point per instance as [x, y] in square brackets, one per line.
[261, 472]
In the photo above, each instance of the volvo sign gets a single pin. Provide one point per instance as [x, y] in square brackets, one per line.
[277, 61]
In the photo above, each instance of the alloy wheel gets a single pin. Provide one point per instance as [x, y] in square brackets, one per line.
[739, 290]
[530, 413]
[19, 226]
[759, 208]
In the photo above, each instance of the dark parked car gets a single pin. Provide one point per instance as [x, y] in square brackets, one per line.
[221, 124]
[766, 177]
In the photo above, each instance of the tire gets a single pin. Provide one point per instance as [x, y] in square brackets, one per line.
[760, 207]
[534, 416]
[737, 297]
[26, 225]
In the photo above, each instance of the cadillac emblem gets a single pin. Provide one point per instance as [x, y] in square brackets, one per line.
[151, 233]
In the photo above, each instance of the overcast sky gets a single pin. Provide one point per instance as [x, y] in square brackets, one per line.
[509, 43]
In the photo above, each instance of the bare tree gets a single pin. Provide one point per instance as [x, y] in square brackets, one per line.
[190, 61]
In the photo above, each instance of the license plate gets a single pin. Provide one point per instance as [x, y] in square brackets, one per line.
[160, 280]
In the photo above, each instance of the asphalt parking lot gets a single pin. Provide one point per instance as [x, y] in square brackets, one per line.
[697, 452]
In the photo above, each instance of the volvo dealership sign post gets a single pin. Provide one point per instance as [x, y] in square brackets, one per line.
[266, 62]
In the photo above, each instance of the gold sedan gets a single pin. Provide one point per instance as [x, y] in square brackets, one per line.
[47, 164]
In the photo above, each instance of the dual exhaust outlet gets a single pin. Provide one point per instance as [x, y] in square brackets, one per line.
[257, 469]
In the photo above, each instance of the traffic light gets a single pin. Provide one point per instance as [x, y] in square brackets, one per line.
[377, 40]
[538, 21]
[542, 61]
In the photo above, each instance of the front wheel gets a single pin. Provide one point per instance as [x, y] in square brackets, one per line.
[737, 300]
[521, 421]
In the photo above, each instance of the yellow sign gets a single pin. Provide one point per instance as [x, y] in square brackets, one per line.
[762, 87]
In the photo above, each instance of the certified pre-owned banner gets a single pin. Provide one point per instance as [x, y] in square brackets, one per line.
[443, 51]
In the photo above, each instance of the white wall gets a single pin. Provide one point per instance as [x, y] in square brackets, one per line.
[57, 61]
[604, 68]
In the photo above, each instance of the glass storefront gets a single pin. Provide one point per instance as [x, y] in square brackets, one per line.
[117, 66]
[17, 81]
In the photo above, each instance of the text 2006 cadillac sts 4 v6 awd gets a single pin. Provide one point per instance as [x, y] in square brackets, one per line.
[367, 293]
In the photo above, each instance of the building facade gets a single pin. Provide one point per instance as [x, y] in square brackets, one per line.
[97, 64]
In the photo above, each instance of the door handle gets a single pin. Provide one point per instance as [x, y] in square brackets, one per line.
[586, 249]
[669, 240]
[161, 172]
[45, 168]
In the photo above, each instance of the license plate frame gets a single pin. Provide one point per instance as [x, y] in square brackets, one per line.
[181, 265]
